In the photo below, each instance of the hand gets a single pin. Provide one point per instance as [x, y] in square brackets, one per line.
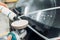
[9, 37]
[3, 4]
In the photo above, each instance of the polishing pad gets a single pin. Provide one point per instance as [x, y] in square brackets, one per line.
[20, 24]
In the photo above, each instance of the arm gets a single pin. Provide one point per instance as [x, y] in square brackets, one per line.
[4, 9]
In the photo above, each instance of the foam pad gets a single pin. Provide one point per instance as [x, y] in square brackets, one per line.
[20, 24]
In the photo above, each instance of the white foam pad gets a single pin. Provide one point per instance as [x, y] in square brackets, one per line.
[20, 24]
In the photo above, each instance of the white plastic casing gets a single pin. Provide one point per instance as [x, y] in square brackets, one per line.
[7, 12]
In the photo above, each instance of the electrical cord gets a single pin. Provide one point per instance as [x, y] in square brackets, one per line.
[42, 10]
[37, 32]
[45, 10]
[36, 12]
